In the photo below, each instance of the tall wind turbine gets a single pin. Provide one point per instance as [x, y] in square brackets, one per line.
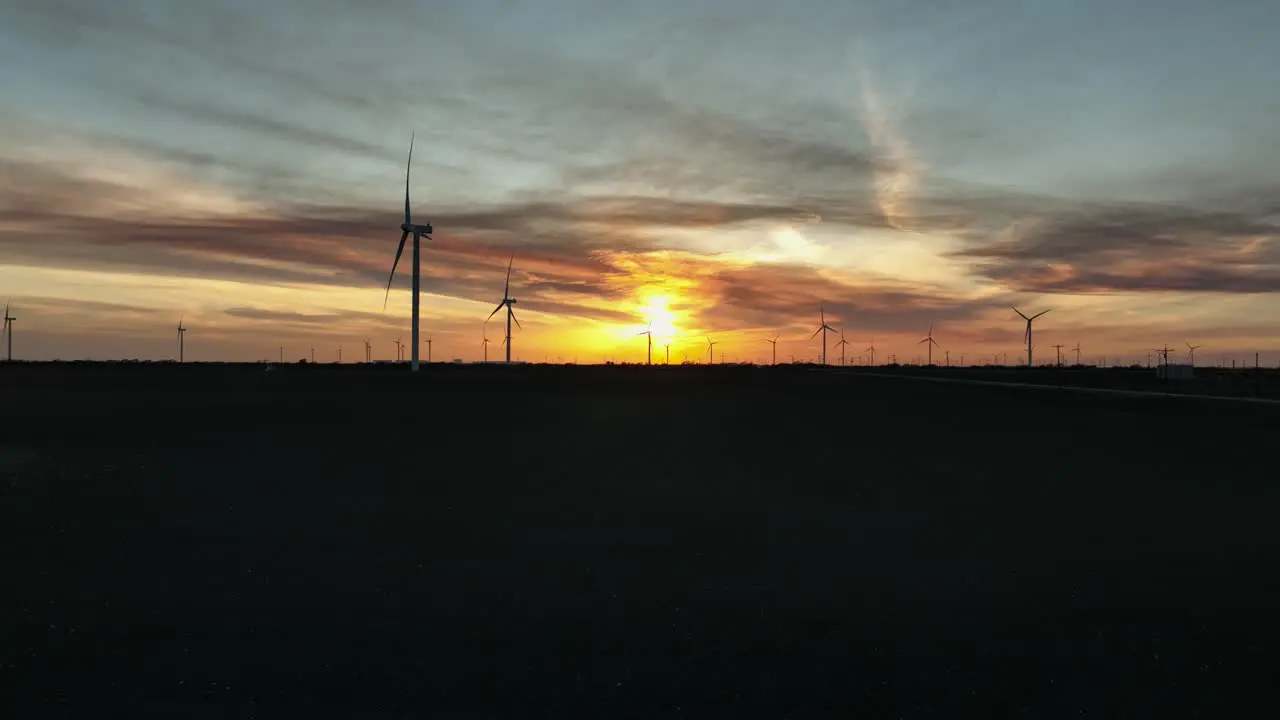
[1192, 350]
[485, 344]
[824, 328]
[8, 329]
[711, 351]
[774, 342]
[507, 302]
[182, 334]
[649, 332]
[929, 343]
[872, 349]
[841, 345]
[1028, 335]
[1059, 349]
[418, 232]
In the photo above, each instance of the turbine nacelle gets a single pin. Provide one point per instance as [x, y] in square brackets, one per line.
[414, 229]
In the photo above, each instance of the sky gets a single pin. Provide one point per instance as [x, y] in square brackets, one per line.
[716, 168]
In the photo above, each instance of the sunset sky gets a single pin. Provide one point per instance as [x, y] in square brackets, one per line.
[718, 167]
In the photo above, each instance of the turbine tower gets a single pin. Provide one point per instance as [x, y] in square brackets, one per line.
[182, 334]
[649, 332]
[1077, 351]
[929, 343]
[1028, 335]
[872, 349]
[774, 342]
[399, 350]
[428, 347]
[339, 354]
[418, 232]
[8, 330]
[1192, 351]
[1059, 349]
[485, 344]
[841, 345]
[824, 328]
[368, 351]
[507, 302]
[711, 351]
[668, 347]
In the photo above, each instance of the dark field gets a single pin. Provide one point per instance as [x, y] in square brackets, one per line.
[216, 541]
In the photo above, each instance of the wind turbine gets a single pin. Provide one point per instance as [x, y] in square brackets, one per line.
[1028, 335]
[339, 354]
[872, 349]
[1192, 350]
[8, 329]
[668, 347]
[774, 342]
[182, 334]
[824, 328]
[1059, 349]
[711, 351]
[418, 231]
[841, 345]
[368, 351]
[649, 332]
[507, 301]
[1077, 351]
[428, 347]
[281, 354]
[313, 354]
[399, 349]
[485, 343]
[929, 343]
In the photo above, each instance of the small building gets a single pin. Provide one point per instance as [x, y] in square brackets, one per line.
[1175, 371]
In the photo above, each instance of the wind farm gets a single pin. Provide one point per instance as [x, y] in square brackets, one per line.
[677, 496]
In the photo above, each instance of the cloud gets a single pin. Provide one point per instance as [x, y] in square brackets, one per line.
[1131, 247]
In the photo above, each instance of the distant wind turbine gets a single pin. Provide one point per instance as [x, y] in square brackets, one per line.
[313, 354]
[648, 332]
[418, 231]
[485, 343]
[841, 345]
[182, 334]
[711, 353]
[823, 328]
[8, 329]
[1077, 351]
[668, 347]
[428, 347]
[507, 302]
[1059, 349]
[368, 351]
[929, 343]
[872, 349]
[774, 342]
[282, 354]
[339, 354]
[399, 350]
[1192, 351]
[1028, 334]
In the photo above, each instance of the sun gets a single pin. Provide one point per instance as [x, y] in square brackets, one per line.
[658, 317]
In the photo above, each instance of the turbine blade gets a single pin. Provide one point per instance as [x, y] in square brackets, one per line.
[1024, 317]
[399, 251]
[513, 317]
[1033, 317]
[923, 341]
[407, 219]
[507, 287]
[815, 333]
[495, 312]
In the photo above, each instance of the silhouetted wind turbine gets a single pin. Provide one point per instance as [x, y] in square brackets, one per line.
[418, 231]
[313, 354]
[774, 342]
[339, 354]
[368, 351]
[1059, 349]
[8, 330]
[824, 328]
[930, 343]
[841, 345]
[872, 349]
[668, 347]
[281, 353]
[485, 344]
[1077, 350]
[649, 332]
[507, 301]
[1028, 335]
[1192, 350]
[182, 333]
[428, 347]
[399, 350]
[711, 352]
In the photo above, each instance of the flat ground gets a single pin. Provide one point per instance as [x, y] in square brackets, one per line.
[626, 542]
